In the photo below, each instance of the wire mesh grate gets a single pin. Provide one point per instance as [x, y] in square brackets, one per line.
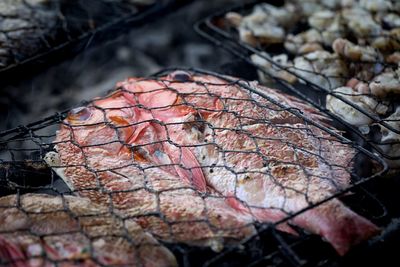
[219, 170]
[320, 52]
[39, 32]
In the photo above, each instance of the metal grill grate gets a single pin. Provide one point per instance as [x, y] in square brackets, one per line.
[347, 78]
[217, 169]
[41, 32]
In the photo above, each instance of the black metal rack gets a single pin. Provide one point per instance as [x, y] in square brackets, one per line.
[23, 170]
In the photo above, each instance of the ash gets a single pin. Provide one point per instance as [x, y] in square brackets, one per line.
[169, 42]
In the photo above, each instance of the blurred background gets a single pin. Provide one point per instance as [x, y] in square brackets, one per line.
[169, 41]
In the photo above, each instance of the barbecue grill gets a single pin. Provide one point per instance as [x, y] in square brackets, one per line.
[373, 192]
[24, 170]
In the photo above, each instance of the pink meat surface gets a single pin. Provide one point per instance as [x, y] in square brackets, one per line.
[42, 230]
[198, 148]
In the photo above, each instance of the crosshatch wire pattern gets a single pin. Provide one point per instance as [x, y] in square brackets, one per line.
[193, 158]
[33, 30]
[350, 72]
